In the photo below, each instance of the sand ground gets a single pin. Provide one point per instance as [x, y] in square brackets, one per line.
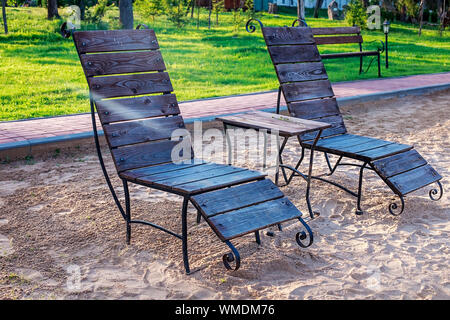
[58, 220]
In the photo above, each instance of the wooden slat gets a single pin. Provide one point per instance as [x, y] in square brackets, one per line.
[161, 168]
[239, 222]
[399, 163]
[414, 179]
[178, 182]
[131, 132]
[291, 54]
[337, 124]
[122, 62]
[285, 126]
[384, 151]
[222, 181]
[142, 155]
[129, 85]
[188, 171]
[241, 196]
[136, 108]
[348, 54]
[342, 141]
[338, 40]
[301, 72]
[287, 35]
[314, 109]
[369, 145]
[307, 90]
[335, 30]
[115, 40]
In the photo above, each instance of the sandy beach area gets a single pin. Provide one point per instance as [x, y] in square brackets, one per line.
[58, 220]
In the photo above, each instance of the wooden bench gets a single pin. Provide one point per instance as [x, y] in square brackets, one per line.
[345, 35]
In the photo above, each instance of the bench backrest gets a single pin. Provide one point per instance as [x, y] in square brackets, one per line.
[132, 94]
[302, 76]
[337, 35]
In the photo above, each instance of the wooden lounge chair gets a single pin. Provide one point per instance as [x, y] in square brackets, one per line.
[308, 94]
[132, 96]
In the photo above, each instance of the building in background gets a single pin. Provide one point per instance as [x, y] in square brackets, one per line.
[293, 3]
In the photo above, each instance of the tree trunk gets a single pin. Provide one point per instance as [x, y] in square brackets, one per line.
[52, 9]
[319, 4]
[82, 9]
[301, 9]
[5, 24]
[126, 14]
[442, 16]
[192, 8]
[209, 16]
[422, 5]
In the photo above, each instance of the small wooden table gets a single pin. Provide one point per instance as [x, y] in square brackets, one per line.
[283, 126]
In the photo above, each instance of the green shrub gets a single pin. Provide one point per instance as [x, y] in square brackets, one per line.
[176, 11]
[149, 8]
[356, 14]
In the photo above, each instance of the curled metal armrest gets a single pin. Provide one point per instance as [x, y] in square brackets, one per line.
[301, 23]
[381, 50]
[67, 29]
[250, 27]
[142, 25]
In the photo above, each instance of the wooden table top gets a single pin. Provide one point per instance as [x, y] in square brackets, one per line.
[286, 126]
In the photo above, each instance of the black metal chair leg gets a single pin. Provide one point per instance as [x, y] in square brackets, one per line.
[127, 209]
[184, 235]
[257, 237]
[199, 217]
[278, 100]
[233, 256]
[358, 202]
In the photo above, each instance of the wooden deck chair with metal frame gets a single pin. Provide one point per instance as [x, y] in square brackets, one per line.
[308, 94]
[131, 92]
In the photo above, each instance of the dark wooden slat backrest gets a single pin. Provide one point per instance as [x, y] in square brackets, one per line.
[131, 91]
[337, 35]
[302, 76]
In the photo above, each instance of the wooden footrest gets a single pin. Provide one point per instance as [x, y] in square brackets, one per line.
[406, 172]
[242, 209]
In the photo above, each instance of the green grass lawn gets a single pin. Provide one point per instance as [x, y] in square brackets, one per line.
[40, 74]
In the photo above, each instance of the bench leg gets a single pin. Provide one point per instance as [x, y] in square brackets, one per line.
[360, 64]
[358, 202]
[184, 234]
[379, 66]
[127, 209]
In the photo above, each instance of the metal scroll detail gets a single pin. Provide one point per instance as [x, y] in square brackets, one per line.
[393, 207]
[65, 31]
[233, 256]
[434, 192]
[300, 236]
[250, 27]
[301, 23]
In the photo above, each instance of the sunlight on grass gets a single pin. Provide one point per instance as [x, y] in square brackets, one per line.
[40, 74]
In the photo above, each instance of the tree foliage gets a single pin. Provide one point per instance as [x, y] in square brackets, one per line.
[149, 8]
[356, 14]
